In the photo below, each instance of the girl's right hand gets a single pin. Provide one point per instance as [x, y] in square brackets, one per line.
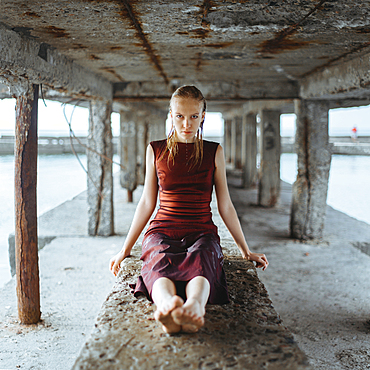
[115, 262]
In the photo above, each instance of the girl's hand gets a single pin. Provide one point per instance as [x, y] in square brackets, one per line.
[259, 258]
[115, 262]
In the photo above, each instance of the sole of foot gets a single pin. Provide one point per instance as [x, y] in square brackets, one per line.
[164, 315]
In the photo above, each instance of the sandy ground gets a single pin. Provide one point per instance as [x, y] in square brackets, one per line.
[321, 290]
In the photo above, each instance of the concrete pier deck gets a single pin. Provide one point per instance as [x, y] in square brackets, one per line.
[319, 290]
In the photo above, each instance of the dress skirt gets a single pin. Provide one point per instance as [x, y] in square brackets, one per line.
[180, 259]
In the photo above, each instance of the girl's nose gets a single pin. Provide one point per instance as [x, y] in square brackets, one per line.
[186, 123]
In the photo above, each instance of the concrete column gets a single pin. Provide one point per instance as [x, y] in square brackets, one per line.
[227, 140]
[233, 142]
[238, 142]
[128, 151]
[314, 158]
[26, 239]
[269, 171]
[157, 125]
[142, 142]
[100, 177]
[249, 150]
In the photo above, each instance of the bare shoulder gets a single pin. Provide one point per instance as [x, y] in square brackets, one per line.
[220, 159]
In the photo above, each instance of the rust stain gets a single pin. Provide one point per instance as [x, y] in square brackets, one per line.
[205, 8]
[31, 14]
[198, 63]
[113, 72]
[94, 57]
[78, 46]
[281, 43]
[215, 46]
[129, 12]
[283, 40]
[182, 33]
[116, 48]
[355, 50]
[200, 33]
[57, 32]
[362, 29]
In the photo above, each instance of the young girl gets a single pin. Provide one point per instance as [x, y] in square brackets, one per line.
[181, 253]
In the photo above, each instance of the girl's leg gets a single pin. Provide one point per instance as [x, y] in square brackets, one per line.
[190, 316]
[166, 300]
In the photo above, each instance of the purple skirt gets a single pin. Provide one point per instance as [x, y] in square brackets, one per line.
[181, 258]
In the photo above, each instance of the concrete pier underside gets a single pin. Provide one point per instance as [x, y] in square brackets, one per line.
[246, 57]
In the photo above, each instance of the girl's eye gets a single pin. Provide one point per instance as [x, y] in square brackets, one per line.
[195, 116]
[179, 116]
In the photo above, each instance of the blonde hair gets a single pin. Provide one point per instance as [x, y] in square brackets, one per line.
[196, 158]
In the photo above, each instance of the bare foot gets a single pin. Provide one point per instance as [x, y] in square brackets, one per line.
[163, 315]
[190, 316]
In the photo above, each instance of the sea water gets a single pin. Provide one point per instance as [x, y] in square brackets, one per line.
[61, 177]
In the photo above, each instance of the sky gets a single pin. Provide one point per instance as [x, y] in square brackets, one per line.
[51, 120]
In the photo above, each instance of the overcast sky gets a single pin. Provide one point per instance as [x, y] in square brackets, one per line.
[51, 120]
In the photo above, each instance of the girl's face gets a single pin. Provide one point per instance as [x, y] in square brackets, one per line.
[187, 116]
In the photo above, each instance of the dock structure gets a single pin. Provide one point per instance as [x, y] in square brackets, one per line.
[253, 62]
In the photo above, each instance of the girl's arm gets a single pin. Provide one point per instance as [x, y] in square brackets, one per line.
[228, 213]
[143, 212]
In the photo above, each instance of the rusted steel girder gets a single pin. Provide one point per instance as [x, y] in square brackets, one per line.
[26, 245]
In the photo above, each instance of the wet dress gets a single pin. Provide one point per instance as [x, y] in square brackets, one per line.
[181, 241]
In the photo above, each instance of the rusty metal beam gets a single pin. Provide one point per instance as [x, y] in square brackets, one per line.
[27, 270]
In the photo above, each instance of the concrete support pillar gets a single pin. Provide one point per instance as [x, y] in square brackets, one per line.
[238, 142]
[269, 171]
[142, 142]
[157, 126]
[100, 176]
[314, 158]
[249, 150]
[26, 239]
[233, 142]
[227, 140]
[128, 151]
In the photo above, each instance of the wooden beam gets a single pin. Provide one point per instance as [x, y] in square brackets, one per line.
[27, 270]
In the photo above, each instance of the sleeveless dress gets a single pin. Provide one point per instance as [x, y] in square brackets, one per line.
[181, 242]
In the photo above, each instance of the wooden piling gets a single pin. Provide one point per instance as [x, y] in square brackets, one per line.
[26, 244]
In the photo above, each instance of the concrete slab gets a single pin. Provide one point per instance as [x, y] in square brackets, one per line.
[245, 334]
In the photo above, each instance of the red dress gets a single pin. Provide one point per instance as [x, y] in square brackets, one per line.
[182, 241]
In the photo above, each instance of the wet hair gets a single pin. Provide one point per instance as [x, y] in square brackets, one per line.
[187, 92]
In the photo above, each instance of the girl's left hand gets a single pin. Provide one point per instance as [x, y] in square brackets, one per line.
[260, 259]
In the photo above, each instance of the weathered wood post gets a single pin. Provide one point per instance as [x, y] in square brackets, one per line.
[100, 176]
[314, 158]
[269, 171]
[128, 152]
[249, 150]
[26, 242]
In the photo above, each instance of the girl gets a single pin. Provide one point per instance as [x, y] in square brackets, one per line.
[181, 253]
